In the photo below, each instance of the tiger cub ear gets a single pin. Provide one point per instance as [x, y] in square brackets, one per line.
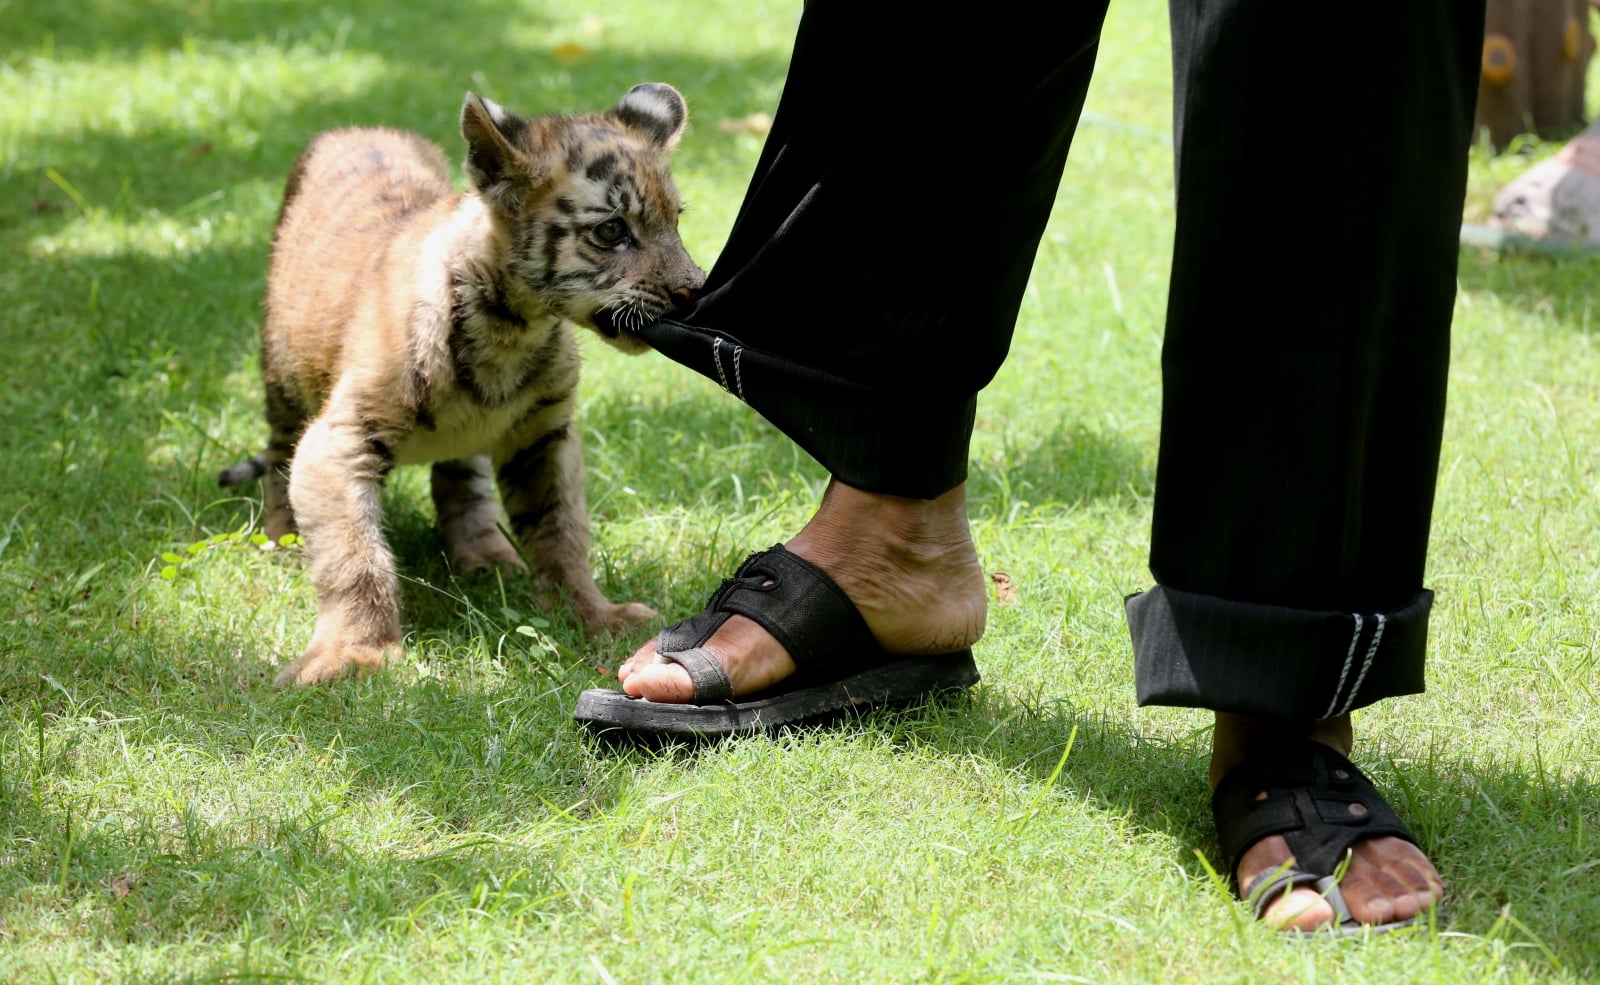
[496, 165]
[656, 110]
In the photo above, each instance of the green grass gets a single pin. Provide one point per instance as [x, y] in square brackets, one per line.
[167, 816]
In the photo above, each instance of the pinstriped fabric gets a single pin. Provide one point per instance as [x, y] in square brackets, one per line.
[1304, 375]
[1196, 650]
[880, 442]
[1303, 387]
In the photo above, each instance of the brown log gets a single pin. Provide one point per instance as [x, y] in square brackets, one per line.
[1536, 57]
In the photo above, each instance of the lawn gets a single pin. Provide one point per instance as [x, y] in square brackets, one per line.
[166, 815]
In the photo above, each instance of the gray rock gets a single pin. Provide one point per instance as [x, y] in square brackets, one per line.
[1557, 199]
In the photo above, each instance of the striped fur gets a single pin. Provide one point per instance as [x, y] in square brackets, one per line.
[407, 324]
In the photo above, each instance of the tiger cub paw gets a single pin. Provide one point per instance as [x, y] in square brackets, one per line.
[486, 553]
[611, 617]
[330, 661]
[279, 522]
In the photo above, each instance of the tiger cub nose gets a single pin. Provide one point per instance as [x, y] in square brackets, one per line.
[684, 296]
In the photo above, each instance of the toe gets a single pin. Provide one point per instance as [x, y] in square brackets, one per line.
[1375, 899]
[641, 657]
[660, 682]
[1298, 909]
[752, 659]
[1388, 880]
[1301, 908]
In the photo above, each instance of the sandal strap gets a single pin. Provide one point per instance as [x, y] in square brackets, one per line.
[710, 681]
[1269, 885]
[792, 599]
[1315, 798]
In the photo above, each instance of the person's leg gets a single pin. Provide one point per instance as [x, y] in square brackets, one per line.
[868, 291]
[1321, 173]
[870, 284]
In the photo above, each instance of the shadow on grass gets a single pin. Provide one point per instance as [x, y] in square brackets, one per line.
[81, 28]
[1511, 841]
[503, 767]
[495, 775]
[427, 42]
[420, 59]
[1067, 467]
[1562, 289]
[289, 878]
[1508, 839]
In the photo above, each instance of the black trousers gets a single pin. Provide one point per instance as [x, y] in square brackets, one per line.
[870, 285]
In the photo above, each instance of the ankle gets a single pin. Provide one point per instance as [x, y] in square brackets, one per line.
[909, 565]
[1236, 738]
[918, 531]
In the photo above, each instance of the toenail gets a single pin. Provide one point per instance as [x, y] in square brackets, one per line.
[1358, 810]
[1341, 774]
[1262, 795]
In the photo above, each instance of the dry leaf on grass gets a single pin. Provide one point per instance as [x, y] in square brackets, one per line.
[1005, 590]
[756, 123]
[571, 51]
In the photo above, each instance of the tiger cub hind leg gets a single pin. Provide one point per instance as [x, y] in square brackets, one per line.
[541, 485]
[271, 465]
[468, 512]
[277, 518]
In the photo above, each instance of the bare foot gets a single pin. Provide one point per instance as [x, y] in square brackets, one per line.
[1388, 879]
[909, 566]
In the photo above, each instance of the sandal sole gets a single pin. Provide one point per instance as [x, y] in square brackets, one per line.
[901, 682]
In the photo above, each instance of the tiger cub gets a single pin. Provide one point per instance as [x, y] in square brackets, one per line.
[405, 323]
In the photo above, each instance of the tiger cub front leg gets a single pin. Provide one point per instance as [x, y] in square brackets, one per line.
[334, 484]
[541, 484]
[468, 512]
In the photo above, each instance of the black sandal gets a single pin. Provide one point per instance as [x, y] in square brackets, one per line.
[1321, 804]
[839, 666]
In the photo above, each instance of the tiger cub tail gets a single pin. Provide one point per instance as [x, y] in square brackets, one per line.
[248, 470]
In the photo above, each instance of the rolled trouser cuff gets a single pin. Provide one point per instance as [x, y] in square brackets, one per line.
[1201, 651]
[886, 440]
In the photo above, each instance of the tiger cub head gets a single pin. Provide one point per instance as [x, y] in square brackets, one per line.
[587, 209]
